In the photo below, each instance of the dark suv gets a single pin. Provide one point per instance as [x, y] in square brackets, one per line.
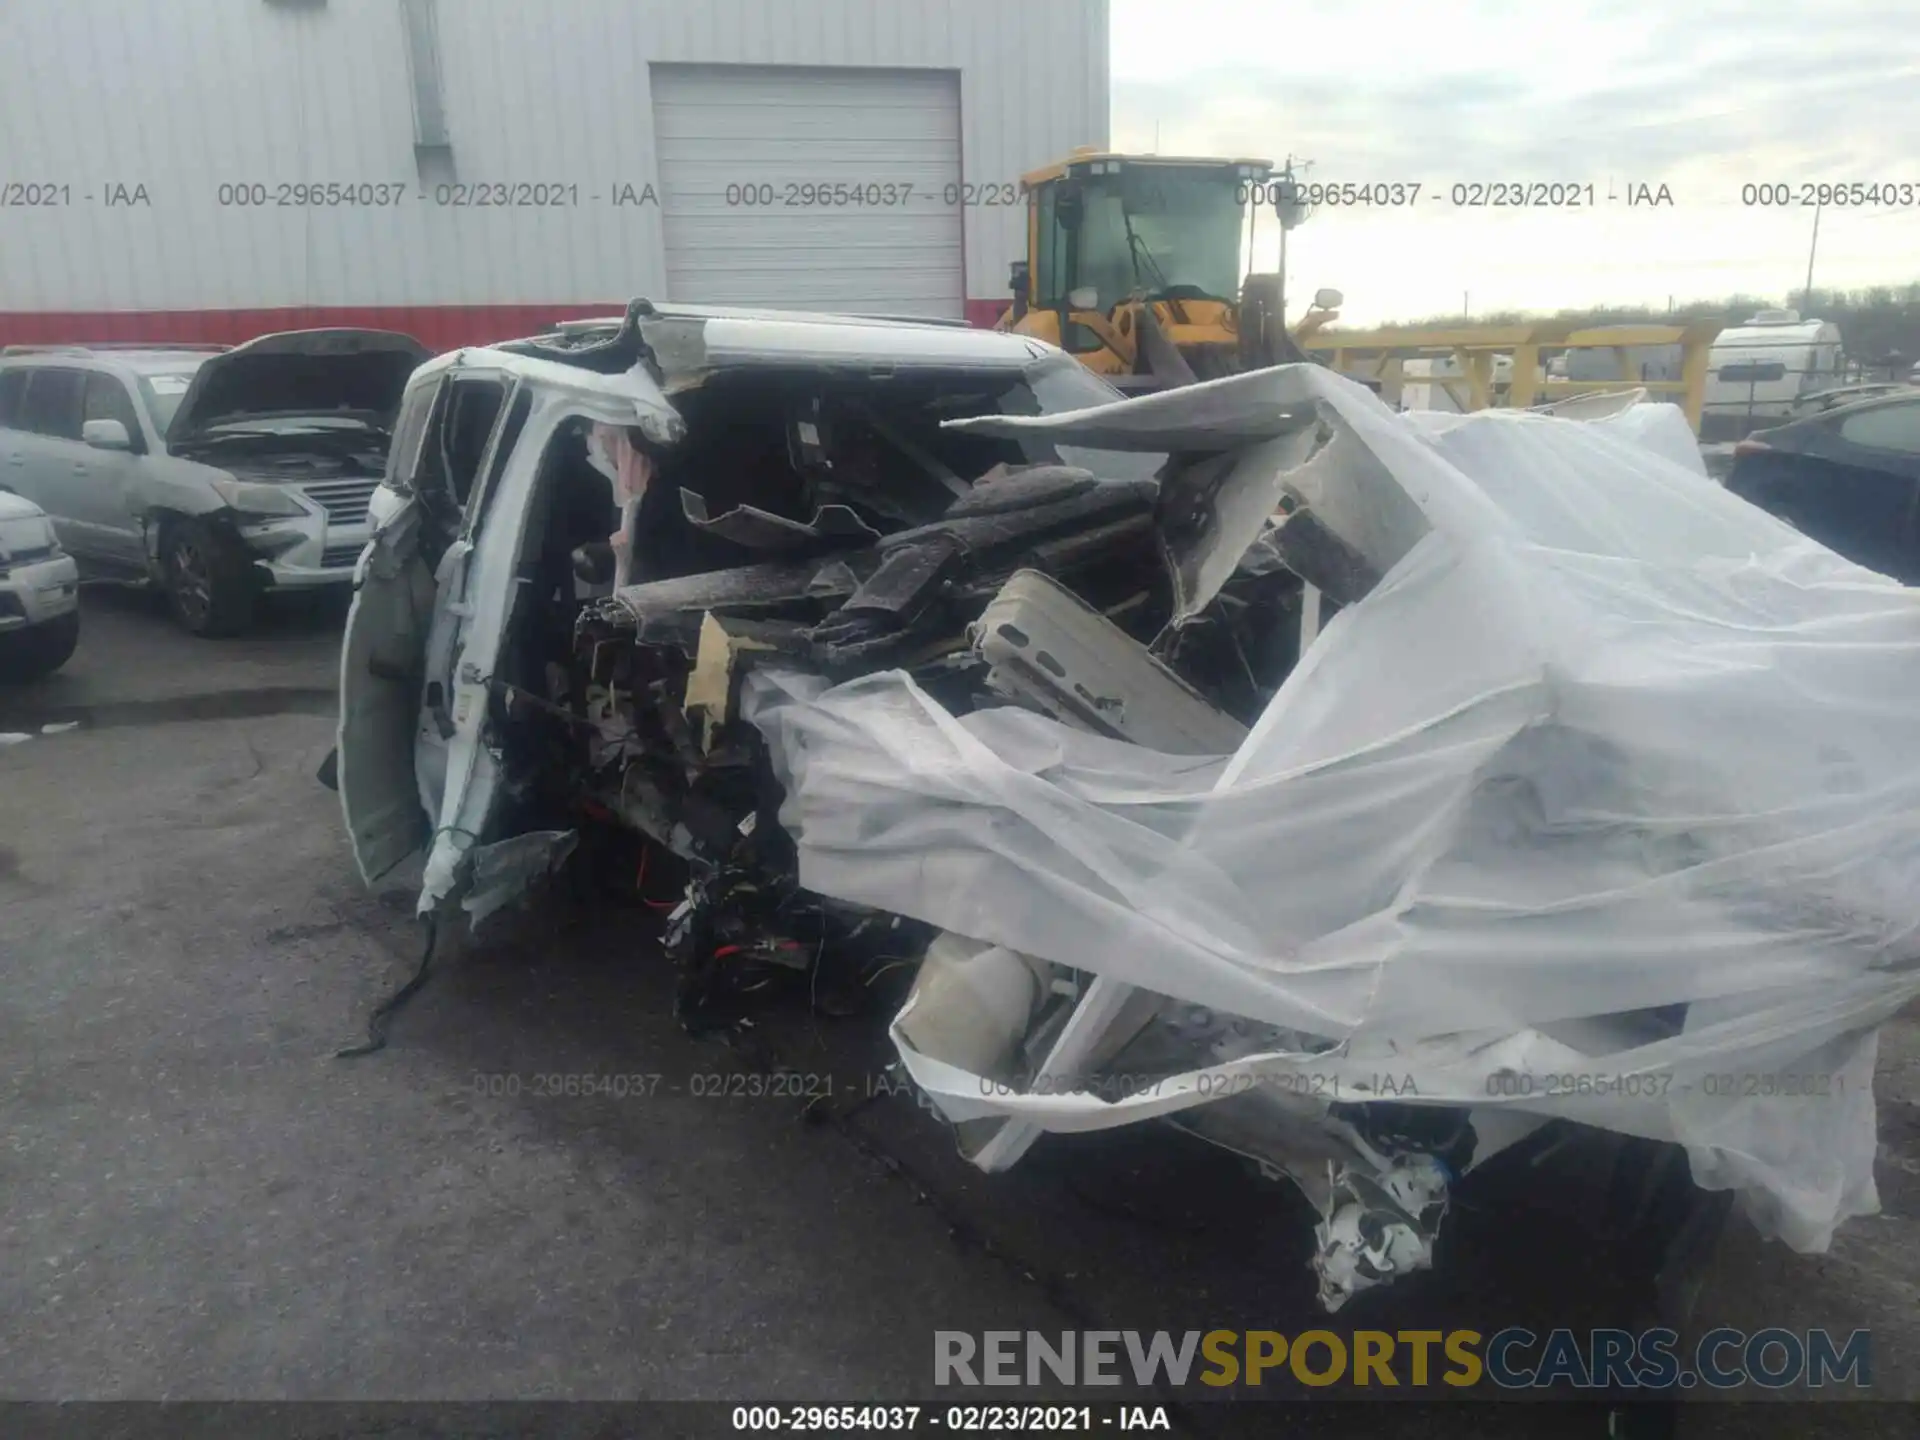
[1849, 478]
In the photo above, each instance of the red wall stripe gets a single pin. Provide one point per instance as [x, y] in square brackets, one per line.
[986, 313]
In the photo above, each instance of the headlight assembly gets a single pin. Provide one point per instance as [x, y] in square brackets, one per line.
[264, 501]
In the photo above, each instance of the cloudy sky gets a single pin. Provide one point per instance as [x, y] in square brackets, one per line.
[1704, 97]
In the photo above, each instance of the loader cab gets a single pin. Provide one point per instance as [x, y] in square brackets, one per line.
[1103, 229]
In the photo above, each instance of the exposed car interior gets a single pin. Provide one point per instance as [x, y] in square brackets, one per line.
[825, 516]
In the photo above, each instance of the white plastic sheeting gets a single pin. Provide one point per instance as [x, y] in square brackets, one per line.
[1605, 803]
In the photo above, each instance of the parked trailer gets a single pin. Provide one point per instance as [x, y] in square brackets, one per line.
[1758, 371]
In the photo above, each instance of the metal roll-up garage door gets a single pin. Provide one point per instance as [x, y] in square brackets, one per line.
[811, 189]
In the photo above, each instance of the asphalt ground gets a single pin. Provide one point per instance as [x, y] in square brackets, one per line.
[198, 1201]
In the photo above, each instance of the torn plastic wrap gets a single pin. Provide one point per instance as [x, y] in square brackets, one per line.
[1603, 803]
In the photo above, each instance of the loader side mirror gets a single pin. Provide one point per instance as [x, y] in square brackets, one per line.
[1328, 299]
[1017, 281]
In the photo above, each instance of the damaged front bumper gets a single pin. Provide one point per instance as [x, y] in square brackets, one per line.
[306, 557]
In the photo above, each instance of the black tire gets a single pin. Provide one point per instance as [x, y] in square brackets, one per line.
[208, 579]
[32, 654]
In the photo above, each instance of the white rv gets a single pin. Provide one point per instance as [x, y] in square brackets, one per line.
[1756, 371]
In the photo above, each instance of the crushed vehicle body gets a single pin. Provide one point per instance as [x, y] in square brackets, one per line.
[1359, 791]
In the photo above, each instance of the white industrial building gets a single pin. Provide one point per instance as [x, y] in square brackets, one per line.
[469, 169]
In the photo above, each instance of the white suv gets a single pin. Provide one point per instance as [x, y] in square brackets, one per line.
[216, 473]
[39, 593]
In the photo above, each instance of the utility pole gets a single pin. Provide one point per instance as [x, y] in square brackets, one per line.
[1806, 295]
[1466, 310]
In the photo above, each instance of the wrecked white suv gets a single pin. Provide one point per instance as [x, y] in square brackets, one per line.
[1363, 792]
[216, 473]
[499, 480]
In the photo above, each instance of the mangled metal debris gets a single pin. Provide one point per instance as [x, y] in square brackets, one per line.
[1378, 1225]
[1503, 837]
[1357, 791]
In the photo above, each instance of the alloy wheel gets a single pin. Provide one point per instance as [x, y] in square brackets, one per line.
[192, 580]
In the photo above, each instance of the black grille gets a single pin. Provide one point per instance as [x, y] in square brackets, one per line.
[334, 556]
[10, 606]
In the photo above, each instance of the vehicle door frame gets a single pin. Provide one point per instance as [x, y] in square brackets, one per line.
[41, 465]
[451, 608]
[12, 460]
[1902, 463]
[113, 476]
[477, 601]
[383, 649]
[391, 582]
[499, 518]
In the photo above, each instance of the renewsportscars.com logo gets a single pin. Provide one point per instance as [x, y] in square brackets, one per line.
[1509, 1359]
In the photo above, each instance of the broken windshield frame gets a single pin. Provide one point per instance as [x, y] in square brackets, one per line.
[1060, 384]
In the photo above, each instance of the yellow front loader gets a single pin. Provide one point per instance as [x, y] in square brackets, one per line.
[1134, 267]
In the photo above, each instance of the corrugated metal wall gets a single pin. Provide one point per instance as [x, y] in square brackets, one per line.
[172, 99]
[759, 166]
